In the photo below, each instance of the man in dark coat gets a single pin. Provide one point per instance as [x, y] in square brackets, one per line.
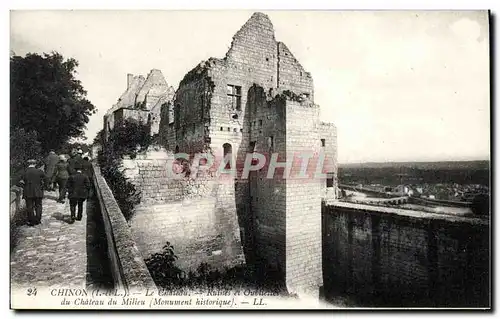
[50, 165]
[33, 180]
[61, 175]
[76, 159]
[87, 167]
[78, 191]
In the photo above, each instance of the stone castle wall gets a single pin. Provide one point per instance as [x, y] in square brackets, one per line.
[256, 99]
[403, 258]
[195, 215]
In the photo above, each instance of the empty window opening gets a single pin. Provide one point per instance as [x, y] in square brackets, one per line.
[241, 130]
[221, 128]
[323, 142]
[234, 96]
[176, 149]
[267, 59]
[229, 129]
[270, 143]
[234, 116]
[329, 180]
[235, 129]
[228, 151]
[260, 122]
[251, 147]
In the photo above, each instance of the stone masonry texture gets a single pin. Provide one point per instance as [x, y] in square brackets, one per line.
[405, 259]
[257, 98]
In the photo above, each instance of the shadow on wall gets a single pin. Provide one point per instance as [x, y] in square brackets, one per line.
[256, 99]
[98, 265]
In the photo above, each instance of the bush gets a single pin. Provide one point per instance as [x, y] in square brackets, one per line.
[23, 146]
[125, 193]
[167, 274]
[163, 269]
[123, 140]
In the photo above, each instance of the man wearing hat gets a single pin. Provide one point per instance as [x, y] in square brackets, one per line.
[74, 160]
[33, 180]
[78, 191]
[61, 175]
[50, 165]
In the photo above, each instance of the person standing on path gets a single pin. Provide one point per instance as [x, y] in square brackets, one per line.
[78, 191]
[76, 159]
[50, 165]
[61, 174]
[33, 180]
[87, 167]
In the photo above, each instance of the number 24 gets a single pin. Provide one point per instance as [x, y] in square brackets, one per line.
[31, 292]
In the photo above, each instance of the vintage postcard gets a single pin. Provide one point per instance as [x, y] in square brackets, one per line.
[249, 159]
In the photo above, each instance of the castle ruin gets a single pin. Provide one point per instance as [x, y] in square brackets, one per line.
[258, 98]
[142, 101]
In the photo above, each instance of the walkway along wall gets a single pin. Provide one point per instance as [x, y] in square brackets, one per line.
[397, 257]
[127, 265]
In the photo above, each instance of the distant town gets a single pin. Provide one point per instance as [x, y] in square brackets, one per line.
[439, 187]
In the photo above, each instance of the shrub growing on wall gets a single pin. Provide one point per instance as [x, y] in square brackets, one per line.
[125, 193]
[166, 274]
[124, 139]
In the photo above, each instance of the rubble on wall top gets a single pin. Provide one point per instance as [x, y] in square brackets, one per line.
[200, 69]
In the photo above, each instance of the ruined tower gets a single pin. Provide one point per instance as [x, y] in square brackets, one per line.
[259, 98]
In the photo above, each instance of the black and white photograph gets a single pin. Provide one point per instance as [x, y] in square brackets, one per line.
[250, 159]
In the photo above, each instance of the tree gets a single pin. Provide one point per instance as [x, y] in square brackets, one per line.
[46, 98]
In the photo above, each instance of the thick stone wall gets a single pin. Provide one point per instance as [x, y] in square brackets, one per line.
[198, 216]
[238, 102]
[303, 201]
[396, 257]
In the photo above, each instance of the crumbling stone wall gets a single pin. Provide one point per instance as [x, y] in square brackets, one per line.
[140, 116]
[259, 95]
[291, 74]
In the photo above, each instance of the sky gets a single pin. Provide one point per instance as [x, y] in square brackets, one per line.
[399, 85]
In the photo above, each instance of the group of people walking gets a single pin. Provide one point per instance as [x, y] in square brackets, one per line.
[71, 177]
